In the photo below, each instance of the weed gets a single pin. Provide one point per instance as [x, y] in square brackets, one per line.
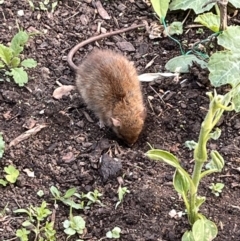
[36, 223]
[75, 224]
[10, 61]
[216, 188]
[122, 191]
[11, 175]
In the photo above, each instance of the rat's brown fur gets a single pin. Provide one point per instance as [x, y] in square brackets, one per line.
[109, 85]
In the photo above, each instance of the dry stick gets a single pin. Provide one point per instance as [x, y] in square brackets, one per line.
[222, 4]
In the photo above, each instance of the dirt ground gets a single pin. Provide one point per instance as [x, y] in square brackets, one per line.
[66, 153]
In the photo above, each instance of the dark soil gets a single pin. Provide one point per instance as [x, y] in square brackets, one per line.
[66, 153]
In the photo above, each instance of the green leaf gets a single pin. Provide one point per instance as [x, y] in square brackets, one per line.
[235, 100]
[224, 68]
[55, 192]
[230, 38]
[40, 193]
[19, 75]
[187, 236]
[42, 6]
[209, 20]
[29, 63]
[165, 156]
[54, 5]
[199, 202]
[69, 192]
[175, 28]
[204, 230]
[191, 145]
[235, 3]
[69, 231]
[196, 5]
[182, 63]
[1, 64]
[22, 210]
[27, 224]
[3, 182]
[181, 183]
[15, 62]
[22, 234]
[78, 223]
[12, 172]
[5, 54]
[66, 224]
[18, 41]
[116, 232]
[2, 145]
[216, 134]
[217, 161]
[160, 7]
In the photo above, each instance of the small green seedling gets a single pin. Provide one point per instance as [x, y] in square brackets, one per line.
[12, 174]
[22, 234]
[75, 224]
[67, 198]
[10, 61]
[114, 233]
[122, 191]
[44, 5]
[216, 188]
[36, 223]
[3, 212]
[2, 145]
[93, 197]
[11, 177]
[40, 193]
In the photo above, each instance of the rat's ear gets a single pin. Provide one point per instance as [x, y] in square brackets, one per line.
[116, 122]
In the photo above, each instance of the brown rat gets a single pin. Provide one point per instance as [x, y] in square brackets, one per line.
[108, 83]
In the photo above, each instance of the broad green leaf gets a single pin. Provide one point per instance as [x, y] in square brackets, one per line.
[196, 5]
[2, 145]
[19, 75]
[5, 54]
[235, 3]
[204, 230]
[187, 236]
[69, 231]
[18, 41]
[224, 67]
[182, 63]
[230, 39]
[235, 100]
[69, 192]
[181, 183]
[175, 28]
[160, 7]
[78, 224]
[66, 224]
[3, 182]
[12, 173]
[165, 156]
[15, 62]
[29, 63]
[209, 20]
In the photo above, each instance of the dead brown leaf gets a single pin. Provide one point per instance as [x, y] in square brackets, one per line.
[102, 12]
